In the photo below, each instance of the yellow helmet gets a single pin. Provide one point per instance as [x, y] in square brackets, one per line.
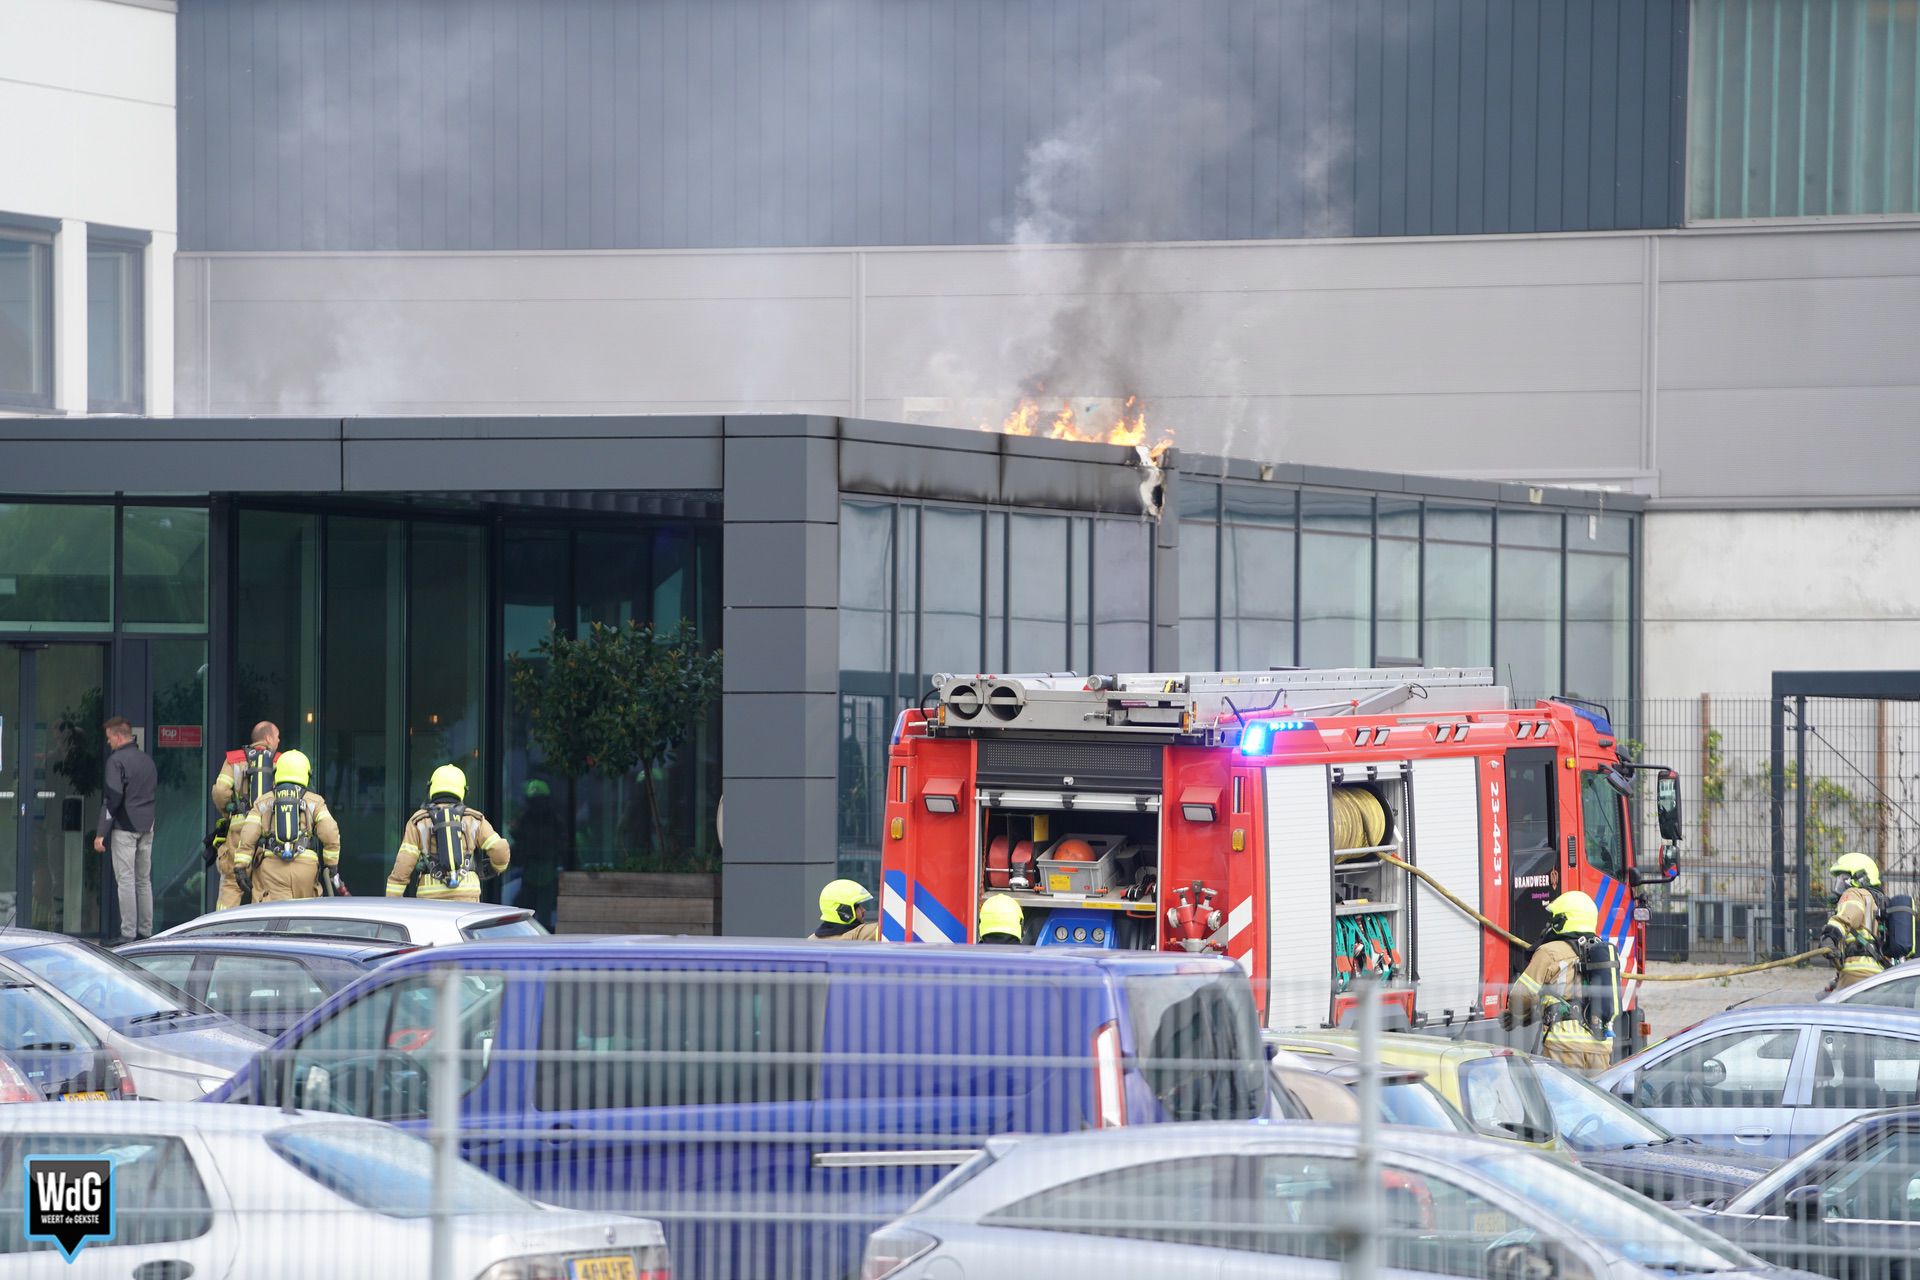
[1573, 912]
[999, 913]
[447, 780]
[1858, 869]
[840, 901]
[293, 767]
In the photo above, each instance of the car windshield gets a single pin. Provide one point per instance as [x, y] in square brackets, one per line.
[1591, 1119]
[1502, 1099]
[387, 1171]
[33, 1021]
[1420, 1105]
[118, 993]
[505, 927]
[1621, 1221]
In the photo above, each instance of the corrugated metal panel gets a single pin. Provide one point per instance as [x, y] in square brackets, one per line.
[504, 124]
[1299, 811]
[1446, 844]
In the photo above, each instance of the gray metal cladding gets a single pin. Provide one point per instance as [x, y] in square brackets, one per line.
[622, 124]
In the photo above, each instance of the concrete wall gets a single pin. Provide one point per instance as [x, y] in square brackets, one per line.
[1732, 596]
[87, 136]
[1741, 366]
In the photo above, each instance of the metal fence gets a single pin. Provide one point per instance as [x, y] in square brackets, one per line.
[1850, 782]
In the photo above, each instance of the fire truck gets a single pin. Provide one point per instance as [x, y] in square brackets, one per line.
[1275, 817]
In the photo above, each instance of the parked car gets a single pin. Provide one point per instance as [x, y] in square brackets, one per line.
[1774, 1078]
[712, 1079]
[265, 981]
[1894, 988]
[174, 1047]
[1848, 1206]
[1227, 1202]
[239, 1191]
[1618, 1142]
[1324, 1086]
[422, 922]
[52, 1050]
[17, 1084]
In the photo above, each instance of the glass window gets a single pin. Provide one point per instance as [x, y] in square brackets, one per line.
[1500, 1098]
[953, 608]
[1798, 110]
[256, 988]
[371, 1058]
[1396, 624]
[446, 668]
[1603, 823]
[1459, 601]
[1198, 1041]
[1599, 531]
[866, 588]
[163, 566]
[1898, 993]
[1877, 1180]
[1260, 504]
[505, 927]
[1299, 1204]
[1196, 500]
[1588, 1117]
[678, 1040]
[361, 764]
[1190, 1202]
[333, 925]
[1599, 622]
[1527, 639]
[1437, 1226]
[1458, 522]
[1397, 517]
[26, 319]
[157, 1193]
[906, 594]
[1037, 593]
[1336, 600]
[1079, 593]
[1336, 512]
[177, 669]
[388, 1171]
[108, 987]
[1122, 603]
[116, 327]
[1256, 598]
[1530, 807]
[1734, 1069]
[277, 612]
[538, 815]
[1199, 588]
[56, 567]
[170, 967]
[1858, 1070]
[996, 591]
[29, 1016]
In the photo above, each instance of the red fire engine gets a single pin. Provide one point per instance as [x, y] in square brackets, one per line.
[1248, 814]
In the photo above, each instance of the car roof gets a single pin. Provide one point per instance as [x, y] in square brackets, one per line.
[1403, 1044]
[19, 939]
[1892, 973]
[396, 910]
[1825, 1013]
[163, 1117]
[306, 944]
[1236, 1135]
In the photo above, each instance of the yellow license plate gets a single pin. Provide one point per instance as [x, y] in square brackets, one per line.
[613, 1268]
[91, 1095]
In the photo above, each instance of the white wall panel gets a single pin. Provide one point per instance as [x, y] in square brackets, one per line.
[1446, 834]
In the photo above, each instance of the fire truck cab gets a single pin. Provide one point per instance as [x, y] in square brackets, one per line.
[1263, 815]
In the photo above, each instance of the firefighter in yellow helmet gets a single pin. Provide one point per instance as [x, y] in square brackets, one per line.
[843, 913]
[1002, 920]
[273, 856]
[1571, 985]
[1853, 930]
[245, 776]
[444, 840]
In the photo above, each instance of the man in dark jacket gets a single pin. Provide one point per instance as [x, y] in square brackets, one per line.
[126, 819]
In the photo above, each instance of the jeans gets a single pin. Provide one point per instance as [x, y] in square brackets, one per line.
[133, 872]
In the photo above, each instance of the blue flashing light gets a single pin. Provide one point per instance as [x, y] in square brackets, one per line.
[1601, 725]
[899, 728]
[1257, 738]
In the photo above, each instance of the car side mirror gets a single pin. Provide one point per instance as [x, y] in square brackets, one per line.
[1806, 1204]
[1667, 805]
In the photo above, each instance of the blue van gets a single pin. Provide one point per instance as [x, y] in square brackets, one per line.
[771, 1102]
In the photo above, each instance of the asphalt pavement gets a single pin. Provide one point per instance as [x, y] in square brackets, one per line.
[1671, 1006]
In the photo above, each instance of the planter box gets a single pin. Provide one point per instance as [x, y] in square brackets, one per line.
[637, 902]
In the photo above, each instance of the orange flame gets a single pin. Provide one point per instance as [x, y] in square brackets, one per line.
[1128, 426]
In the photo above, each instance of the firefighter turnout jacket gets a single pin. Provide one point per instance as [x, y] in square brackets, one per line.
[1550, 991]
[275, 844]
[245, 776]
[444, 841]
[1856, 918]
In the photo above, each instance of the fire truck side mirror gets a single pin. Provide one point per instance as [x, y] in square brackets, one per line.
[1667, 804]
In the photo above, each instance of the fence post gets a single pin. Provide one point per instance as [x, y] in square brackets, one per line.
[1706, 763]
[1777, 820]
[1880, 783]
[443, 1115]
[1800, 866]
[1365, 1218]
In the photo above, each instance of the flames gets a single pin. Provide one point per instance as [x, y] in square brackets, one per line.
[1097, 422]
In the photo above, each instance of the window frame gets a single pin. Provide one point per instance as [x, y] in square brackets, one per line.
[134, 243]
[41, 231]
[197, 1220]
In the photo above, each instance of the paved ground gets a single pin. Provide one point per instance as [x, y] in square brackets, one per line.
[1670, 1006]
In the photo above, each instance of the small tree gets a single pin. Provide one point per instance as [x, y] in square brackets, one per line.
[617, 699]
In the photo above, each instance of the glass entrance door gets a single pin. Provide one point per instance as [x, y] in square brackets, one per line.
[52, 752]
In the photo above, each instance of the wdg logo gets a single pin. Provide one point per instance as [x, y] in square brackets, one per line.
[69, 1200]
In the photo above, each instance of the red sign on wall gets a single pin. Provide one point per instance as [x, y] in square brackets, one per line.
[180, 735]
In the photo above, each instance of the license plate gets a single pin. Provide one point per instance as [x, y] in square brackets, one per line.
[618, 1267]
[91, 1095]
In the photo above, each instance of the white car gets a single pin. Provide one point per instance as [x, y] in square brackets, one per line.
[229, 1192]
[1897, 987]
[421, 922]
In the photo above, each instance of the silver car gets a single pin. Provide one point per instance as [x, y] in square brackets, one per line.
[1772, 1079]
[1239, 1201]
[422, 922]
[238, 1192]
[1895, 988]
[173, 1047]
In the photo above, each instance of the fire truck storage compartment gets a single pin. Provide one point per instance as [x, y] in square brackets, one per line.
[1369, 803]
[1020, 838]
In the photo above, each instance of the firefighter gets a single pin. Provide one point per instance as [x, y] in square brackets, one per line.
[1001, 920]
[1853, 931]
[1572, 985]
[246, 775]
[273, 856]
[843, 913]
[450, 837]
